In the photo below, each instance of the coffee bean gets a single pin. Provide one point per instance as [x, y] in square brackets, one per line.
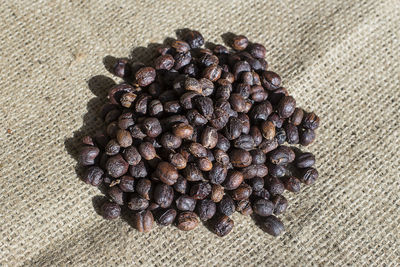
[166, 172]
[181, 185]
[197, 150]
[257, 50]
[139, 170]
[152, 127]
[223, 226]
[240, 158]
[144, 188]
[252, 171]
[112, 129]
[182, 130]
[281, 136]
[145, 76]
[270, 80]
[282, 155]
[204, 105]
[220, 49]
[122, 68]
[124, 138]
[286, 106]
[172, 107]
[147, 151]
[245, 122]
[185, 203]
[116, 166]
[262, 193]
[297, 116]
[276, 120]
[131, 155]
[257, 183]
[280, 203]
[226, 206]
[143, 221]
[274, 185]
[223, 143]
[116, 194]
[233, 180]
[111, 210]
[136, 132]
[194, 39]
[170, 141]
[241, 67]
[309, 176]
[87, 140]
[141, 103]
[166, 217]
[221, 157]
[195, 118]
[178, 160]
[263, 207]
[268, 145]
[292, 184]
[292, 133]
[206, 209]
[209, 137]
[244, 207]
[88, 155]
[191, 84]
[233, 129]
[237, 102]
[186, 100]
[307, 136]
[94, 176]
[258, 94]
[268, 130]
[127, 183]
[256, 135]
[163, 195]
[180, 46]
[245, 142]
[240, 42]
[261, 111]
[208, 60]
[218, 173]
[241, 93]
[182, 60]
[192, 173]
[305, 160]
[276, 170]
[217, 193]
[310, 121]
[136, 202]
[164, 62]
[213, 72]
[204, 164]
[155, 108]
[258, 157]
[242, 192]
[200, 190]
[272, 225]
[187, 221]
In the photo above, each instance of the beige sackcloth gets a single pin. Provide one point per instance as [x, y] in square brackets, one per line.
[338, 58]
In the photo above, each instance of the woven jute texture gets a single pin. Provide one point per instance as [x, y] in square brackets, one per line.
[338, 58]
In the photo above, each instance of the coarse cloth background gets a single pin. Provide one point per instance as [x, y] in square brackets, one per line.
[338, 58]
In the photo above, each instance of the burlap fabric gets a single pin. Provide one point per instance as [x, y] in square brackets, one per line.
[339, 58]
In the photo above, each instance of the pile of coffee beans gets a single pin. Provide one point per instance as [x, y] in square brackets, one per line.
[199, 134]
